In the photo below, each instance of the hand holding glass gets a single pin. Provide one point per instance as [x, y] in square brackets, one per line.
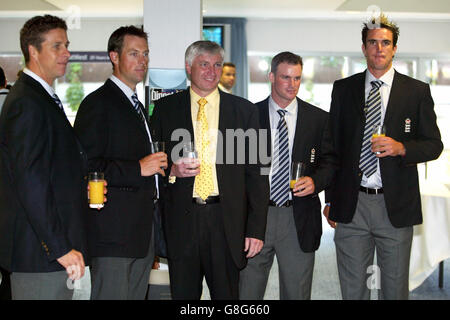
[96, 190]
[297, 171]
[158, 146]
[378, 131]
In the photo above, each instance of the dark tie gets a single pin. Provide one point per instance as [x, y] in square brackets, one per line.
[368, 160]
[279, 191]
[137, 107]
[58, 102]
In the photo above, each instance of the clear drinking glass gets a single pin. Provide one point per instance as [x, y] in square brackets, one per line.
[297, 171]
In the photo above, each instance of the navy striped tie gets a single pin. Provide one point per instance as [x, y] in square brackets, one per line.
[368, 160]
[136, 106]
[279, 189]
[58, 102]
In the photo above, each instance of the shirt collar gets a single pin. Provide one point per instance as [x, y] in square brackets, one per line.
[291, 109]
[209, 97]
[387, 78]
[125, 89]
[43, 83]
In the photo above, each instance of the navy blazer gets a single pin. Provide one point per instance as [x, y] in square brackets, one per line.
[409, 119]
[312, 146]
[43, 197]
[115, 139]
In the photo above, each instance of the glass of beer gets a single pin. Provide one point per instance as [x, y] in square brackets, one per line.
[378, 131]
[297, 171]
[96, 189]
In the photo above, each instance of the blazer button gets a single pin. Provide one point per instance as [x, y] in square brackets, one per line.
[359, 174]
[187, 211]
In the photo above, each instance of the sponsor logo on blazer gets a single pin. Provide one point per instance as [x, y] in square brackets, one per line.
[313, 155]
[407, 125]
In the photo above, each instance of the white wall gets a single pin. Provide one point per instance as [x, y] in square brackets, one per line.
[264, 35]
[93, 34]
[327, 36]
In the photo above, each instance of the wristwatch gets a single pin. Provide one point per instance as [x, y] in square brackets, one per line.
[172, 179]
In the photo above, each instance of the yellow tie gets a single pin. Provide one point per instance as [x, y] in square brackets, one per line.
[204, 184]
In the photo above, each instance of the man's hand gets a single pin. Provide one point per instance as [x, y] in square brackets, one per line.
[388, 147]
[185, 167]
[326, 212]
[73, 262]
[303, 187]
[253, 246]
[153, 163]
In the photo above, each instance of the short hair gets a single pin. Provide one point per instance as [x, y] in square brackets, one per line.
[380, 23]
[33, 31]
[2, 78]
[229, 64]
[201, 47]
[285, 57]
[115, 42]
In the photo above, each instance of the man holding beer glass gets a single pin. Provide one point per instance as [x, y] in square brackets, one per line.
[115, 132]
[298, 138]
[375, 200]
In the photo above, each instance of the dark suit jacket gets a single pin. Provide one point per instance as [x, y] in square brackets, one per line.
[409, 102]
[43, 202]
[313, 146]
[243, 190]
[115, 139]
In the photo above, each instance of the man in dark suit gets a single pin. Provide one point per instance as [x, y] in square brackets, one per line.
[375, 198]
[294, 221]
[43, 202]
[215, 207]
[113, 129]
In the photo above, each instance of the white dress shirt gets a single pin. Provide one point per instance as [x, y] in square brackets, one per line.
[291, 121]
[374, 181]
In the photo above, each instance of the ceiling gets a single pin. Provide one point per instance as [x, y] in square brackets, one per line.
[430, 9]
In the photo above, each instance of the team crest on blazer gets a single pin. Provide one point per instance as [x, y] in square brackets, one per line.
[407, 125]
[313, 155]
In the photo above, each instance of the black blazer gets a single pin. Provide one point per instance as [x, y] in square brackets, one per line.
[43, 202]
[243, 190]
[409, 119]
[115, 139]
[313, 146]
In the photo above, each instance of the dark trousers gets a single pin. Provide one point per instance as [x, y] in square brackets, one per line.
[5, 286]
[207, 256]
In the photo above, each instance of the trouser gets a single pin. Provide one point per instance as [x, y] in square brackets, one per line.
[207, 256]
[295, 267]
[356, 242]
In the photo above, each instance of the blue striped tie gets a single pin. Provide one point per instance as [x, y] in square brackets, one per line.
[368, 160]
[136, 106]
[279, 190]
[58, 102]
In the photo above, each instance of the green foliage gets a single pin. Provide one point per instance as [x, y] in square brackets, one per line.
[75, 92]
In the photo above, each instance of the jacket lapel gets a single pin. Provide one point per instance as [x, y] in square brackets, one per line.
[394, 98]
[300, 130]
[359, 94]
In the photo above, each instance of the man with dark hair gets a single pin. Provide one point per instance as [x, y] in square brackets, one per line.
[228, 77]
[43, 199]
[297, 131]
[374, 201]
[3, 90]
[114, 130]
[215, 211]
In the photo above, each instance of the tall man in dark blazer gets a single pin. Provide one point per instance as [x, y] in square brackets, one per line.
[115, 133]
[375, 198]
[294, 223]
[43, 202]
[215, 208]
